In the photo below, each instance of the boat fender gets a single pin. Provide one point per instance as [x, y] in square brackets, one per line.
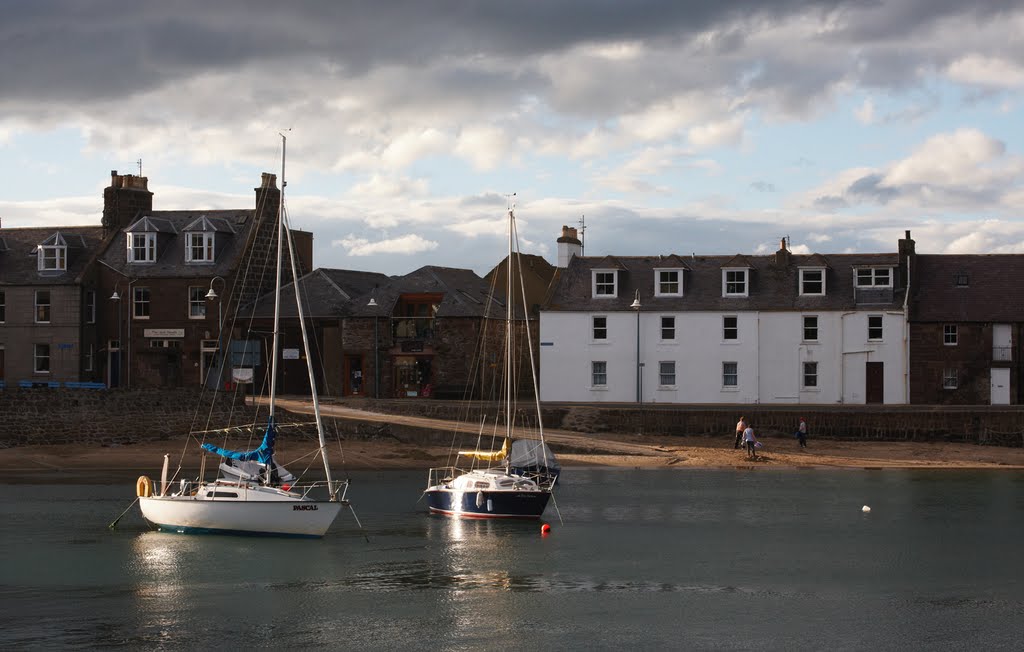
[479, 499]
[143, 487]
[490, 505]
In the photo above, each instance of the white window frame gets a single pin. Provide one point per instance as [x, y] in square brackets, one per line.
[602, 274]
[734, 374]
[195, 291]
[144, 251]
[598, 373]
[726, 328]
[41, 306]
[880, 328]
[729, 278]
[871, 277]
[90, 306]
[809, 373]
[200, 242]
[950, 335]
[41, 353]
[663, 277]
[806, 326]
[804, 281]
[667, 374]
[141, 300]
[52, 258]
[594, 328]
[950, 379]
[669, 327]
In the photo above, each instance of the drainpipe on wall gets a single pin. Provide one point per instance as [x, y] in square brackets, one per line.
[842, 354]
[906, 338]
[757, 371]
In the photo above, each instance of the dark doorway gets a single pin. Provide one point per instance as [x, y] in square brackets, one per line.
[875, 380]
[354, 376]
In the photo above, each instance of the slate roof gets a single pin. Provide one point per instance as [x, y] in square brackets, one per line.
[19, 261]
[234, 226]
[771, 287]
[347, 293]
[994, 290]
[465, 293]
[325, 293]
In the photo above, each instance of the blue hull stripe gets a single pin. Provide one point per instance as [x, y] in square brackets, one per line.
[493, 504]
[177, 529]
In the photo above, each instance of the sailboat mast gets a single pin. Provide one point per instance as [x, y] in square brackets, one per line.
[508, 328]
[309, 362]
[277, 284]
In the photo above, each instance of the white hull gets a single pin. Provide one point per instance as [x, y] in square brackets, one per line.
[188, 514]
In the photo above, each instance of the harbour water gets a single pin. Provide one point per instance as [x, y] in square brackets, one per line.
[685, 559]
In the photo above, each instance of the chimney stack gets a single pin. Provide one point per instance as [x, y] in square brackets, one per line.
[125, 199]
[568, 246]
[783, 255]
[905, 246]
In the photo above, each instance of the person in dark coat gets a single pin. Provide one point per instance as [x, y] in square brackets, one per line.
[801, 433]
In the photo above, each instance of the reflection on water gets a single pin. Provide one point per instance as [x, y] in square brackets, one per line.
[644, 559]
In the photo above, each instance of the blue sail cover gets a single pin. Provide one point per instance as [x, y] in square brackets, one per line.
[264, 454]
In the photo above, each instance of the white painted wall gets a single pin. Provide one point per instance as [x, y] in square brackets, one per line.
[769, 353]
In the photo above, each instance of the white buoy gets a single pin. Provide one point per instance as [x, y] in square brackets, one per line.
[865, 509]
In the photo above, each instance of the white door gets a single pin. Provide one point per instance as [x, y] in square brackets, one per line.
[1000, 387]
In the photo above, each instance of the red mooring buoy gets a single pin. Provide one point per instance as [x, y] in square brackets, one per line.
[545, 529]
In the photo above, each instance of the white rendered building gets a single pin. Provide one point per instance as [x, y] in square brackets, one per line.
[783, 328]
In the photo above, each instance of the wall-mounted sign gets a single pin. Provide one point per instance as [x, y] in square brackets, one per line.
[162, 333]
[242, 375]
[289, 354]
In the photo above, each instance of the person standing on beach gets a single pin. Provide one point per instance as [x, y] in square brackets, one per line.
[801, 433]
[740, 427]
[751, 442]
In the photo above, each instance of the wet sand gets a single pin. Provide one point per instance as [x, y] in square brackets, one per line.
[100, 464]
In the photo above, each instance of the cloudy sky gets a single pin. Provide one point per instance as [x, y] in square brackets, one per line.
[673, 126]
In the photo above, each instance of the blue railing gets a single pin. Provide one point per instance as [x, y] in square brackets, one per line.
[53, 384]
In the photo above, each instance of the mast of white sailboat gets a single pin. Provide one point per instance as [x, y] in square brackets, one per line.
[309, 361]
[508, 331]
[277, 284]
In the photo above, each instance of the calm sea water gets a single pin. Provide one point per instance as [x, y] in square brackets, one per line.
[645, 559]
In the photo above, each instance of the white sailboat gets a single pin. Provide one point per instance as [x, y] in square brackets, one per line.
[252, 495]
[498, 490]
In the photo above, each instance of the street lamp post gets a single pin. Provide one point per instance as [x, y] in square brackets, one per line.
[376, 350]
[639, 365]
[116, 298]
[210, 296]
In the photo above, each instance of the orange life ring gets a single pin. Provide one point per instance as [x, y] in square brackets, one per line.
[143, 487]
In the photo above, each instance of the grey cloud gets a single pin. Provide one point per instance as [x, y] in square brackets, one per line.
[870, 188]
[72, 50]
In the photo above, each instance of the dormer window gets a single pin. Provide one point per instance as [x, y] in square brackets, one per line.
[52, 255]
[867, 277]
[812, 282]
[668, 283]
[141, 247]
[199, 247]
[605, 285]
[734, 282]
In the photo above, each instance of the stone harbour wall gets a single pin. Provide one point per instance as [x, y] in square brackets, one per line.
[118, 416]
[993, 425]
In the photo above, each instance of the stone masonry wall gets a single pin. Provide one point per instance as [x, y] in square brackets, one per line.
[64, 416]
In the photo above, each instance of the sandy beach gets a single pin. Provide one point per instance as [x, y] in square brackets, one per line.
[101, 464]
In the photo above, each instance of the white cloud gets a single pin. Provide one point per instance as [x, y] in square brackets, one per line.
[485, 147]
[866, 113]
[406, 244]
[994, 72]
[716, 134]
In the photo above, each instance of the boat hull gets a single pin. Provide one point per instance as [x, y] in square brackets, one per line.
[487, 504]
[186, 514]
